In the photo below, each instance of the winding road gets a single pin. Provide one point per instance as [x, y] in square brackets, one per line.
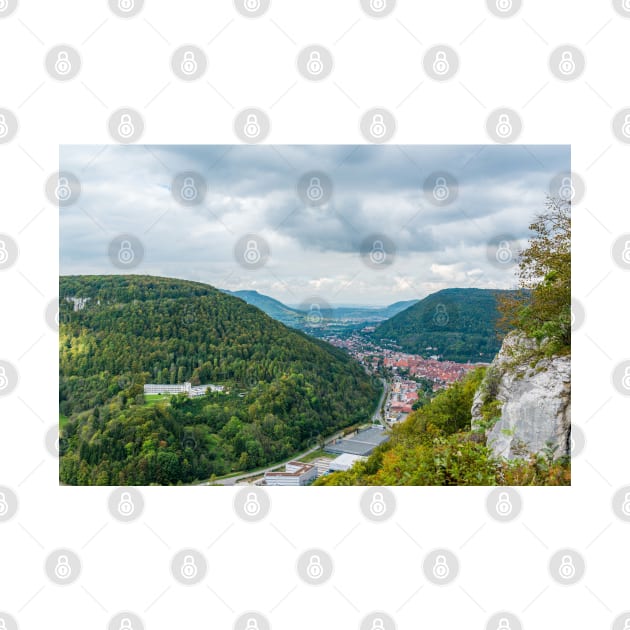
[230, 481]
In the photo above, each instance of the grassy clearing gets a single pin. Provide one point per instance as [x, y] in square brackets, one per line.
[63, 420]
[150, 400]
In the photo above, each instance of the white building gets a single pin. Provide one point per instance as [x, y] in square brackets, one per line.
[181, 388]
[344, 462]
[295, 474]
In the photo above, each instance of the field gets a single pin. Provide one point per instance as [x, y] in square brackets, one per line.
[151, 400]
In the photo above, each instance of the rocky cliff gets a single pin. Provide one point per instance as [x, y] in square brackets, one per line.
[524, 402]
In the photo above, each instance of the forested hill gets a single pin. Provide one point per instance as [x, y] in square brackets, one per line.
[458, 324]
[285, 389]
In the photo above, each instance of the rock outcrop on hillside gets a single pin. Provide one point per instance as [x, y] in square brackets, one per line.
[530, 396]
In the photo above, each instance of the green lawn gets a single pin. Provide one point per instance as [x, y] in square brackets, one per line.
[152, 399]
[315, 455]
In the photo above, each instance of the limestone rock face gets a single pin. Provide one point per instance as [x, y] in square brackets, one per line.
[534, 398]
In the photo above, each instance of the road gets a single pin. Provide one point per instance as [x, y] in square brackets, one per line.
[378, 416]
[230, 481]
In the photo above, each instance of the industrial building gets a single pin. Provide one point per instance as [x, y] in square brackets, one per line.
[362, 443]
[295, 474]
[344, 462]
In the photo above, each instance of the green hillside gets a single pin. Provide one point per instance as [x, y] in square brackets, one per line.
[284, 389]
[458, 324]
[272, 307]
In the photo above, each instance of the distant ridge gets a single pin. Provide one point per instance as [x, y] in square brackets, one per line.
[455, 324]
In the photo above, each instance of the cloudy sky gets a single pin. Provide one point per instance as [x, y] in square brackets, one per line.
[320, 246]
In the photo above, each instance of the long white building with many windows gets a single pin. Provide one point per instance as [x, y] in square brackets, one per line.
[181, 388]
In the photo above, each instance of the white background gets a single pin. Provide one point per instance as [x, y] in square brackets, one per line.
[378, 62]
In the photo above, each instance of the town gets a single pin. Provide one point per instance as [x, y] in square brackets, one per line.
[409, 381]
[409, 378]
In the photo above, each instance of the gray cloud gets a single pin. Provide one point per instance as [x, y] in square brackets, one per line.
[253, 189]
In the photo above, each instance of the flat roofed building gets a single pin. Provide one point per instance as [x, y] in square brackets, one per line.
[344, 462]
[363, 443]
[181, 388]
[295, 474]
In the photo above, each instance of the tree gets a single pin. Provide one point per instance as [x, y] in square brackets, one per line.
[543, 310]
